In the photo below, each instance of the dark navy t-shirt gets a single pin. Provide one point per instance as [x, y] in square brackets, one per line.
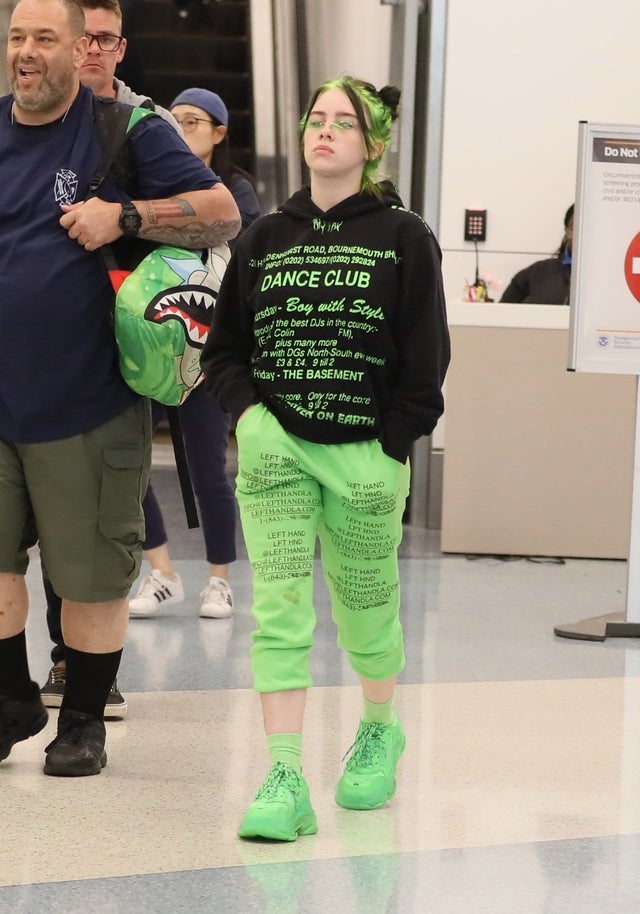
[59, 368]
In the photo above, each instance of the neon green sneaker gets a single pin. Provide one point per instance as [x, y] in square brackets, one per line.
[369, 778]
[282, 809]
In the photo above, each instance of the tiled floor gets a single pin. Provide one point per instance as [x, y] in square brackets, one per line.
[518, 791]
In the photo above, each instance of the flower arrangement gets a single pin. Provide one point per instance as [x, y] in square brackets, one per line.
[485, 288]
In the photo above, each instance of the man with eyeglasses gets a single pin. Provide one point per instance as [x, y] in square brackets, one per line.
[107, 47]
[75, 441]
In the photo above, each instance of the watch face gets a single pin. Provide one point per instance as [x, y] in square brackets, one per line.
[130, 219]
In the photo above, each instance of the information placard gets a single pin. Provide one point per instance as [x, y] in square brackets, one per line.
[604, 324]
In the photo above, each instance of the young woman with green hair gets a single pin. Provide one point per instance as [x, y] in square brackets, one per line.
[329, 346]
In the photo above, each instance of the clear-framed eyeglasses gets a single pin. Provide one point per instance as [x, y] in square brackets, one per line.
[105, 41]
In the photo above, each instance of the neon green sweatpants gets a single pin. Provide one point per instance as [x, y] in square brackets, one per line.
[352, 497]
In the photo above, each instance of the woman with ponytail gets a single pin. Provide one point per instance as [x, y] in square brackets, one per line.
[329, 346]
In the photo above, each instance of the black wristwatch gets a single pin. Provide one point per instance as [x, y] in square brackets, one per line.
[130, 220]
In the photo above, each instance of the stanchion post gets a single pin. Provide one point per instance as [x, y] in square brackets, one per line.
[633, 564]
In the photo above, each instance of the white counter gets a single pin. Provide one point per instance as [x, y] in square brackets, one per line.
[497, 314]
[537, 460]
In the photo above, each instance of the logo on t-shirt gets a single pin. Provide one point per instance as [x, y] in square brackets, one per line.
[66, 186]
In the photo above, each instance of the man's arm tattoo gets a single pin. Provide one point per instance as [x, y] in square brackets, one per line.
[172, 208]
[192, 234]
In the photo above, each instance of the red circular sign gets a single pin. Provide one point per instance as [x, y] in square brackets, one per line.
[632, 267]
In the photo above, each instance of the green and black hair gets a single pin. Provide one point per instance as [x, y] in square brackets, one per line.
[376, 110]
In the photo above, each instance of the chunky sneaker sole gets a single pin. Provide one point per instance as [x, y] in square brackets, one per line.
[304, 825]
[155, 592]
[20, 720]
[281, 810]
[369, 779]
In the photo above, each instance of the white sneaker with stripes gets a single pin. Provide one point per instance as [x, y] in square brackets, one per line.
[217, 600]
[155, 591]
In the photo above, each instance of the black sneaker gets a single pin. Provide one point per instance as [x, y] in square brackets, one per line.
[78, 749]
[20, 719]
[116, 706]
[52, 692]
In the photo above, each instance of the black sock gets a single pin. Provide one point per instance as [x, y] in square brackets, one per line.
[89, 680]
[15, 680]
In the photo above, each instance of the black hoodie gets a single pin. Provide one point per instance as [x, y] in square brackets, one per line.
[335, 321]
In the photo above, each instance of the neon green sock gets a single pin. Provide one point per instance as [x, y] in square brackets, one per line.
[379, 713]
[286, 748]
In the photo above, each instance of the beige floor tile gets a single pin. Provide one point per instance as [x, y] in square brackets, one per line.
[486, 763]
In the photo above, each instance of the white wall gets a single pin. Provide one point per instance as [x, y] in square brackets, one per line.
[518, 79]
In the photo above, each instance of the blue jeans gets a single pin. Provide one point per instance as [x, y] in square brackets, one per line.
[205, 430]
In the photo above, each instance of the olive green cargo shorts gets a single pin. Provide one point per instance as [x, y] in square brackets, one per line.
[81, 499]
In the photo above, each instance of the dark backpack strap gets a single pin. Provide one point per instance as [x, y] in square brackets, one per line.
[114, 121]
[182, 466]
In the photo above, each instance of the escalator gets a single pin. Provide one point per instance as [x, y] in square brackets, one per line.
[176, 44]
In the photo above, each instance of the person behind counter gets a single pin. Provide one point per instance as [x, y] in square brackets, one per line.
[545, 282]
